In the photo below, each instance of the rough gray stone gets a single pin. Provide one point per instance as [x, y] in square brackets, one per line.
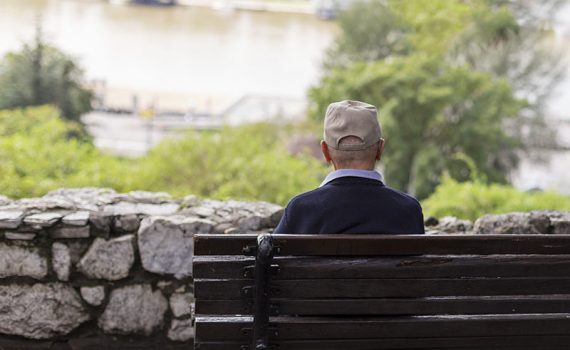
[560, 222]
[561, 226]
[43, 219]
[111, 260]
[43, 204]
[204, 212]
[451, 225]
[181, 304]
[61, 260]
[87, 198]
[5, 200]
[93, 295]
[181, 330]
[11, 219]
[135, 309]
[18, 260]
[129, 208]
[101, 221]
[83, 193]
[77, 249]
[21, 236]
[166, 244]
[189, 201]
[68, 232]
[224, 227]
[165, 286]
[513, 223]
[251, 223]
[40, 311]
[247, 216]
[80, 218]
[127, 223]
[149, 197]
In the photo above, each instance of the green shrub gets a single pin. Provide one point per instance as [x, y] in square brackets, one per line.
[473, 199]
[248, 162]
[40, 152]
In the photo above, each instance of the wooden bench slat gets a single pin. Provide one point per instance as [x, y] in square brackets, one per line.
[391, 292]
[235, 328]
[233, 267]
[464, 343]
[412, 306]
[375, 245]
[381, 288]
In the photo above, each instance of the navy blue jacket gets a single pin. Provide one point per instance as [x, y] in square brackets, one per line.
[352, 205]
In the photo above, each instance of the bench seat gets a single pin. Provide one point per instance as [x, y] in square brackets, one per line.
[382, 292]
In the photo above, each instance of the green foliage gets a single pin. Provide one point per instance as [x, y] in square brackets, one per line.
[40, 74]
[473, 199]
[377, 29]
[513, 40]
[445, 74]
[429, 112]
[40, 152]
[247, 162]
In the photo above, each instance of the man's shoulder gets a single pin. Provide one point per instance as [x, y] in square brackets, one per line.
[316, 196]
[405, 196]
[306, 197]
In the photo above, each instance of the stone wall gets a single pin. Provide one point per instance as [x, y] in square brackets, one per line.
[92, 268]
[534, 222]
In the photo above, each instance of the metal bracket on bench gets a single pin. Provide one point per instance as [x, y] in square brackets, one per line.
[262, 277]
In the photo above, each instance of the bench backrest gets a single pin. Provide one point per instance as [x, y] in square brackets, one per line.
[382, 292]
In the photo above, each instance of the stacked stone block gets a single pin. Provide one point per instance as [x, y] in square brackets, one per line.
[92, 268]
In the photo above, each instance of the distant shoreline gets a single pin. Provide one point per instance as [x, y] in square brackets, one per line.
[297, 7]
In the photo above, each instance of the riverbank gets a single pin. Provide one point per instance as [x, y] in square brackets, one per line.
[293, 6]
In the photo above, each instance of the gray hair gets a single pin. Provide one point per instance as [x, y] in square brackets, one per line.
[349, 159]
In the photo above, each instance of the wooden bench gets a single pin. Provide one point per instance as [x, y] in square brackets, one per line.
[333, 292]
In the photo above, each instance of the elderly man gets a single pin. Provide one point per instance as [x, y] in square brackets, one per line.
[353, 198]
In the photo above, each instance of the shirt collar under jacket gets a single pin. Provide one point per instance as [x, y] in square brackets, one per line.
[367, 174]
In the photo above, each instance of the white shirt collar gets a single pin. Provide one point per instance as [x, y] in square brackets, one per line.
[367, 174]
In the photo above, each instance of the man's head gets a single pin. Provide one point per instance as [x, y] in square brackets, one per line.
[352, 135]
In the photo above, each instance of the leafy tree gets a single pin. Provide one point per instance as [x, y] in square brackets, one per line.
[513, 40]
[430, 111]
[42, 74]
[378, 29]
[450, 76]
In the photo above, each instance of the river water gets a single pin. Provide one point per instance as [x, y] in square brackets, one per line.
[192, 56]
[181, 50]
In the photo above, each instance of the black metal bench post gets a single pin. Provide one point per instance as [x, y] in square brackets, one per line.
[262, 276]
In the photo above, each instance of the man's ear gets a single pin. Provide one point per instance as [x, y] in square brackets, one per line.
[325, 150]
[380, 149]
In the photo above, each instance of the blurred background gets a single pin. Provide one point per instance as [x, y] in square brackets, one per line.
[225, 98]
